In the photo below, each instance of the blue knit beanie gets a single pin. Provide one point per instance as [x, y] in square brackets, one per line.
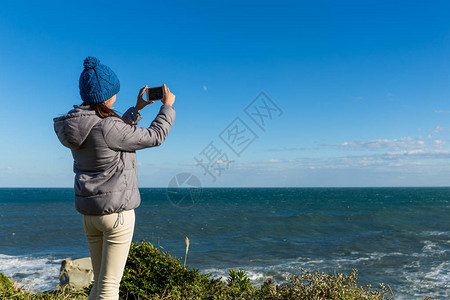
[98, 82]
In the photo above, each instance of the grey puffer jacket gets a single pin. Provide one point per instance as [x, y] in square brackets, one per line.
[104, 155]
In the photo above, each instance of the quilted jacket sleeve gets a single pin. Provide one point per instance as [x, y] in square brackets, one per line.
[121, 136]
[132, 115]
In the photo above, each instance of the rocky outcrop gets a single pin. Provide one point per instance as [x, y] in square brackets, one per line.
[77, 273]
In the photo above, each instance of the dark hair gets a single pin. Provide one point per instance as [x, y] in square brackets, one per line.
[104, 111]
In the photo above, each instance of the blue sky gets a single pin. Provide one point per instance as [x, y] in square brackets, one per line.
[362, 87]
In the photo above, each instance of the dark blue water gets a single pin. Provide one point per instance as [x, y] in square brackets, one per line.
[398, 236]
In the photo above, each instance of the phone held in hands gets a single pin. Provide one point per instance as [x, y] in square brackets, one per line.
[155, 93]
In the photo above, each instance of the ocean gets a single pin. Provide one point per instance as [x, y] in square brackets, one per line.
[396, 236]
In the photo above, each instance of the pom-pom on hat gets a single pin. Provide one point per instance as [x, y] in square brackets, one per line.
[98, 82]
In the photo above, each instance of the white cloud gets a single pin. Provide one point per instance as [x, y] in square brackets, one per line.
[442, 111]
[272, 160]
[379, 144]
[386, 161]
[421, 160]
[437, 129]
[439, 143]
[395, 144]
[402, 143]
[205, 87]
[418, 153]
[282, 149]
[393, 167]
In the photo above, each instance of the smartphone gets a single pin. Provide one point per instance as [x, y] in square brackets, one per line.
[155, 93]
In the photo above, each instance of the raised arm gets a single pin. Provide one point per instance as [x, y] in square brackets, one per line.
[121, 136]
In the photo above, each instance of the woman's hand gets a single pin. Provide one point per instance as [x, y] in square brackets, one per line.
[169, 98]
[141, 103]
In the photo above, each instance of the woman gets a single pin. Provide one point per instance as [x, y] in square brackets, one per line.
[103, 146]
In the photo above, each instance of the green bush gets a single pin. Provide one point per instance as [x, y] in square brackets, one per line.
[5, 284]
[318, 285]
[10, 290]
[154, 274]
[239, 279]
[151, 272]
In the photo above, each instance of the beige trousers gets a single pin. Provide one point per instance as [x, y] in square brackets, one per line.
[109, 238]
